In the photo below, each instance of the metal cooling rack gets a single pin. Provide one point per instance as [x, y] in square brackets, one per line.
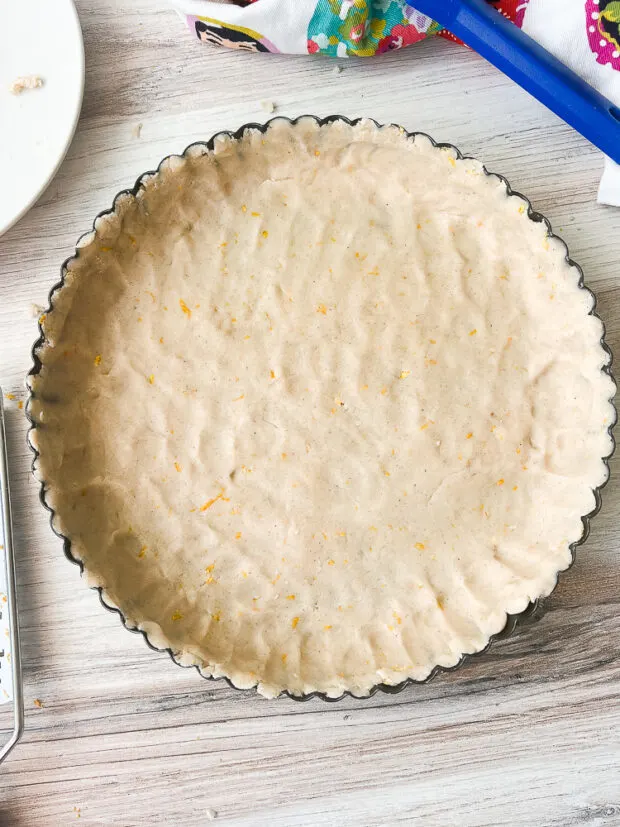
[11, 688]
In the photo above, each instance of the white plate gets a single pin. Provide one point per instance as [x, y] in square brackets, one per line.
[38, 37]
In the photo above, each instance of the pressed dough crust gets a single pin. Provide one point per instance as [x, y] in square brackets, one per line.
[319, 407]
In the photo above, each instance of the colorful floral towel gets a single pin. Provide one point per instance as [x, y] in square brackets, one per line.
[585, 34]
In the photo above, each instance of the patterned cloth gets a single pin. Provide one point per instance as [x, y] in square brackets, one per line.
[585, 34]
[337, 28]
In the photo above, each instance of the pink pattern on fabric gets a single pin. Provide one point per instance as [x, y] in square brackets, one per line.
[602, 22]
[520, 12]
[401, 35]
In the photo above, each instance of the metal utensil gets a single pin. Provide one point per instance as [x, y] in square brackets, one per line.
[12, 656]
[535, 69]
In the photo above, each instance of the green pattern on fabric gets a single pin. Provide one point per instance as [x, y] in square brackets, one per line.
[340, 28]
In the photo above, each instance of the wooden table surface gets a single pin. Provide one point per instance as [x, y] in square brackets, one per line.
[528, 734]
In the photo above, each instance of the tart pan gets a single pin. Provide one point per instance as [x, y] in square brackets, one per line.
[534, 610]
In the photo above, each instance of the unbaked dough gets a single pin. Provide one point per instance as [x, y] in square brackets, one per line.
[319, 407]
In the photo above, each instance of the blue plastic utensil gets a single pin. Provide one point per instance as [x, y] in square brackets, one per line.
[514, 53]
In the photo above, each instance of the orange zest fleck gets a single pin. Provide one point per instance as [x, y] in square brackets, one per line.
[290, 597]
[238, 535]
[97, 360]
[322, 309]
[177, 467]
[473, 332]
[150, 379]
[420, 546]
[185, 308]
[176, 616]
[212, 501]
[294, 622]
[501, 481]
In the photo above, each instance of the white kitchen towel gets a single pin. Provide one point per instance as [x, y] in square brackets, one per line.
[584, 34]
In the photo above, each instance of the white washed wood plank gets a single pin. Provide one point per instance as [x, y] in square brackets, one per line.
[526, 735]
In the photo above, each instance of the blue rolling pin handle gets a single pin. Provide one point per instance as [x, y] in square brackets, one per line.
[521, 58]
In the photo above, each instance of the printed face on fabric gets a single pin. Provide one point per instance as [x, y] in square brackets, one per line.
[234, 38]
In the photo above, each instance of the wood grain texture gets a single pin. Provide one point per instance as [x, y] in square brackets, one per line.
[528, 734]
